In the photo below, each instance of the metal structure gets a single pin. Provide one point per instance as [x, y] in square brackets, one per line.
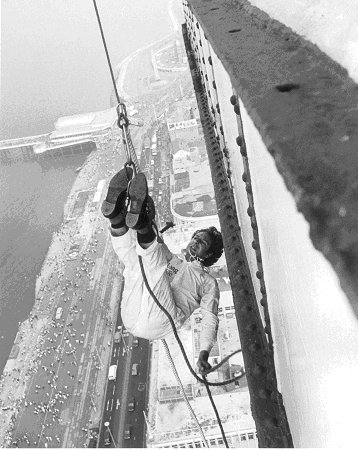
[255, 336]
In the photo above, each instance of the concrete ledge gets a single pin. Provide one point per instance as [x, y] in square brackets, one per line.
[305, 108]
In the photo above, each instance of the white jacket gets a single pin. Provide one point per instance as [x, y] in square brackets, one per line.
[193, 287]
[180, 286]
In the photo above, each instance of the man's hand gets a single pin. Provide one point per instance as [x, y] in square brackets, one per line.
[202, 363]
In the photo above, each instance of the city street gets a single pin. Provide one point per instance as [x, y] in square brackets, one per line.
[125, 398]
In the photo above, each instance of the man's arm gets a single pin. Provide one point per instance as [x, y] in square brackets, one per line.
[210, 322]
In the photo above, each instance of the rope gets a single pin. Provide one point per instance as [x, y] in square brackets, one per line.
[106, 50]
[216, 413]
[123, 121]
[164, 342]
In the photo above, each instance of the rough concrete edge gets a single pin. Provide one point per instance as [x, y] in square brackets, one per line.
[310, 126]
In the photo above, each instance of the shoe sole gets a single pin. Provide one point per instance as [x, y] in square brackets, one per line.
[137, 193]
[116, 190]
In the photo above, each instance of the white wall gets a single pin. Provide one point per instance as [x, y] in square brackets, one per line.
[314, 330]
[330, 24]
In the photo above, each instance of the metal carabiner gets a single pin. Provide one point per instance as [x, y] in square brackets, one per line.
[122, 116]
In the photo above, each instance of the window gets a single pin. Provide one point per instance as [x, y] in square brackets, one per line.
[251, 435]
[242, 437]
[220, 441]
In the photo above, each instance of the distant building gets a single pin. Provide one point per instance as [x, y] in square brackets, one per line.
[72, 135]
[83, 125]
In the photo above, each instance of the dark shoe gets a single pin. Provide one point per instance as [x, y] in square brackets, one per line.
[115, 201]
[146, 228]
[138, 195]
[150, 210]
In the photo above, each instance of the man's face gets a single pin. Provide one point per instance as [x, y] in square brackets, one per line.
[199, 245]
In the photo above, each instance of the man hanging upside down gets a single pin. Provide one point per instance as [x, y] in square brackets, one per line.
[181, 286]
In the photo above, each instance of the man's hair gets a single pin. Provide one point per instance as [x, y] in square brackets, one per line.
[216, 246]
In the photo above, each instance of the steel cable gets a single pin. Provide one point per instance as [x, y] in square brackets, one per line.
[106, 50]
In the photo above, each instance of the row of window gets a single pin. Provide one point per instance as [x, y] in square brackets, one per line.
[214, 442]
[227, 308]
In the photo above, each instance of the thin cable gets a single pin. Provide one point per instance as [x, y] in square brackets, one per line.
[216, 413]
[106, 50]
[164, 342]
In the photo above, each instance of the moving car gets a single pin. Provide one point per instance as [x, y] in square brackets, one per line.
[107, 434]
[118, 334]
[112, 373]
[135, 369]
[131, 405]
[107, 437]
[127, 431]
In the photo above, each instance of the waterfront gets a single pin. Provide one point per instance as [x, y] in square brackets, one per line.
[31, 209]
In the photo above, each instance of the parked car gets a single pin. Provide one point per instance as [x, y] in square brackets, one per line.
[59, 312]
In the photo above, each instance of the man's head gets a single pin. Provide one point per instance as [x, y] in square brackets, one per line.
[205, 245]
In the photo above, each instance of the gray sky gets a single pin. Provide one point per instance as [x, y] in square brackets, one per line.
[53, 61]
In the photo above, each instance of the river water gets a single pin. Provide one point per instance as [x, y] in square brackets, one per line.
[53, 64]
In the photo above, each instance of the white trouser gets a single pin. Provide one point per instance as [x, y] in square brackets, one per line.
[140, 314]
